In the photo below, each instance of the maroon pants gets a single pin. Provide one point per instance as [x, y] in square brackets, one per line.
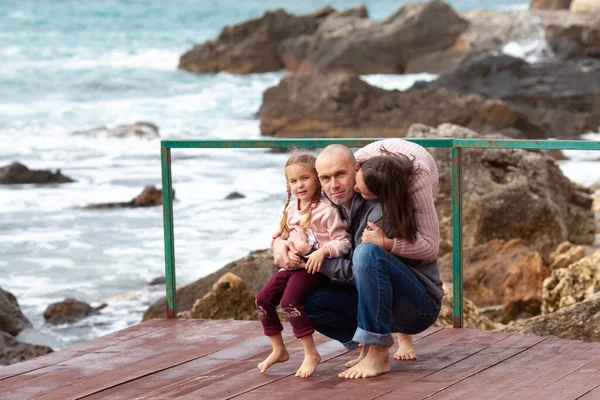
[288, 288]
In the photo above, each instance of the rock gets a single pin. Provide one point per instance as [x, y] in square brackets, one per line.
[472, 318]
[157, 281]
[365, 47]
[69, 311]
[580, 321]
[229, 299]
[567, 286]
[149, 197]
[139, 129]
[12, 319]
[17, 173]
[499, 187]
[557, 155]
[499, 272]
[440, 62]
[252, 46]
[12, 351]
[550, 4]
[560, 96]
[496, 314]
[565, 255]
[342, 105]
[234, 196]
[255, 270]
[585, 6]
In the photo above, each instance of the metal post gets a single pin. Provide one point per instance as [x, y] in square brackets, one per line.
[167, 189]
[457, 273]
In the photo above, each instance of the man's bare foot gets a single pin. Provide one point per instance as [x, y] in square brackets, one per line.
[406, 351]
[309, 365]
[376, 362]
[276, 356]
[363, 352]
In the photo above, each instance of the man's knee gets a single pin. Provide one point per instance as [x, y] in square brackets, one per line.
[365, 257]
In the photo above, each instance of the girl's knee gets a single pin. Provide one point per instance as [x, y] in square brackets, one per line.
[262, 299]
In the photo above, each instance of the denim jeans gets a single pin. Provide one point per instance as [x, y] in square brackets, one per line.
[387, 297]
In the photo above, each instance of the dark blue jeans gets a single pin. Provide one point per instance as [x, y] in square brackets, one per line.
[387, 297]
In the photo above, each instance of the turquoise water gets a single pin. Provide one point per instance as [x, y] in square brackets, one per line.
[73, 65]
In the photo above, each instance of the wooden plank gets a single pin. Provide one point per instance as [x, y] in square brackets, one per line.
[524, 373]
[573, 385]
[124, 361]
[252, 349]
[129, 333]
[593, 394]
[434, 351]
[498, 352]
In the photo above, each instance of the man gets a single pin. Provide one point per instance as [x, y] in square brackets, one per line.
[374, 293]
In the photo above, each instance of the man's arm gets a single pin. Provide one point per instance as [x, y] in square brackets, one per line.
[338, 268]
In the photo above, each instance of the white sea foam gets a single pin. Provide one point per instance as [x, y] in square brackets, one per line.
[397, 82]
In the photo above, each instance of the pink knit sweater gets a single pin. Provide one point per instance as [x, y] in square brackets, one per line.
[426, 246]
[327, 226]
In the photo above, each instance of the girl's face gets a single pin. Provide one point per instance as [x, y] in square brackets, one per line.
[361, 188]
[302, 180]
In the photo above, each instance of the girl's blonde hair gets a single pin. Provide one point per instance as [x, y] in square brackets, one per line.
[309, 160]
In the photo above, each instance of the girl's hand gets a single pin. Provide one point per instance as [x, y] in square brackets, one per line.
[377, 237]
[315, 260]
[294, 258]
[298, 240]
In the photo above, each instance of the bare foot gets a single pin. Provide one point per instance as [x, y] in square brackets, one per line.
[376, 362]
[363, 352]
[276, 356]
[309, 365]
[406, 351]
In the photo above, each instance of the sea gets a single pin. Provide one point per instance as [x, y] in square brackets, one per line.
[73, 65]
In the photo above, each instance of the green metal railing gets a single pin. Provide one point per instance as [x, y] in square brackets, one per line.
[455, 145]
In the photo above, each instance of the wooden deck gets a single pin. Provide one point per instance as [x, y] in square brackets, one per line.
[196, 359]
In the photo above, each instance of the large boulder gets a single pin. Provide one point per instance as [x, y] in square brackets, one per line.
[12, 351]
[509, 193]
[17, 173]
[69, 311]
[500, 272]
[255, 270]
[573, 284]
[550, 4]
[12, 319]
[150, 197]
[585, 6]
[580, 321]
[472, 317]
[563, 97]
[565, 255]
[252, 46]
[365, 47]
[340, 104]
[228, 299]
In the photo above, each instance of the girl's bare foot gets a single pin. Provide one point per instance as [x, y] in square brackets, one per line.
[309, 365]
[376, 362]
[363, 352]
[406, 351]
[276, 356]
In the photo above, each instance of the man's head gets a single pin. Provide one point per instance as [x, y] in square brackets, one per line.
[336, 167]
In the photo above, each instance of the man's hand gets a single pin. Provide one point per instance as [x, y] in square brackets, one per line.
[377, 236]
[280, 254]
[315, 260]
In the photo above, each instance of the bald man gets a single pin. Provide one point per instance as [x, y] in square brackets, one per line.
[373, 292]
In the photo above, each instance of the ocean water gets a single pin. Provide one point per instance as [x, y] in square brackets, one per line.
[71, 65]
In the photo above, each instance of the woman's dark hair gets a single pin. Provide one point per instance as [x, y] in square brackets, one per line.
[388, 177]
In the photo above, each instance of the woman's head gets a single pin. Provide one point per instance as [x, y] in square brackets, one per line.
[388, 177]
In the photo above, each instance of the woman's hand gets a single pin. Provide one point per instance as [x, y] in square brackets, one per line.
[377, 237]
[315, 260]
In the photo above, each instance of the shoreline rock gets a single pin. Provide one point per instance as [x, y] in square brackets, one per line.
[17, 173]
[150, 197]
[12, 319]
[69, 311]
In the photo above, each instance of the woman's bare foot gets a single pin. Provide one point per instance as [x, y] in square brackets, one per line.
[406, 351]
[363, 352]
[309, 365]
[276, 356]
[376, 362]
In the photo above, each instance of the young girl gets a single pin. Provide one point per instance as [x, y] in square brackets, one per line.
[311, 225]
[402, 175]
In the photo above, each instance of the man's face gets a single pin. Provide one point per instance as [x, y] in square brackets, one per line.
[337, 176]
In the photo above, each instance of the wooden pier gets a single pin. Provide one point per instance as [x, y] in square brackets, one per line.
[201, 359]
